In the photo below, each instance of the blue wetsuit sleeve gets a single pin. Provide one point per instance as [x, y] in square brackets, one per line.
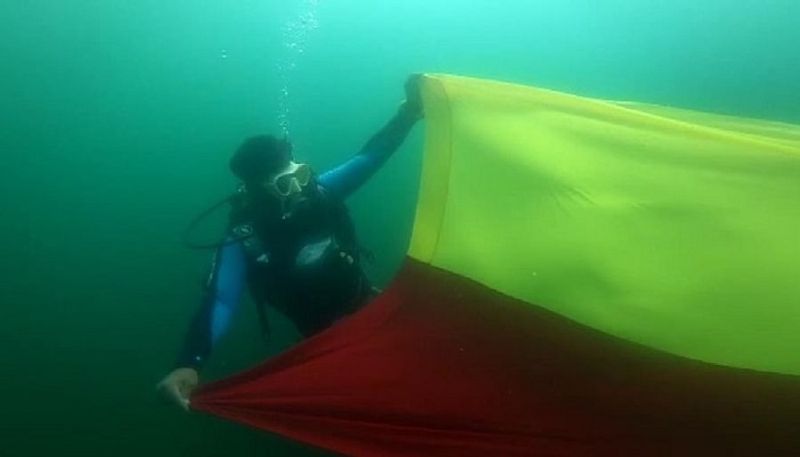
[345, 179]
[221, 298]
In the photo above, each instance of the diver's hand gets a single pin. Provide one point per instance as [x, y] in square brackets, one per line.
[178, 385]
[413, 104]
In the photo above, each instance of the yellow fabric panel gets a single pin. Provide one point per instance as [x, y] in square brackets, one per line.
[672, 228]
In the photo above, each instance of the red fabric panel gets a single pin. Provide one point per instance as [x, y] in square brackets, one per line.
[442, 366]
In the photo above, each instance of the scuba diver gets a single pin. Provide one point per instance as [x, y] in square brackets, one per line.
[291, 240]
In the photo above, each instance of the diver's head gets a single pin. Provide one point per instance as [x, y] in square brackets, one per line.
[271, 177]
[259, 157]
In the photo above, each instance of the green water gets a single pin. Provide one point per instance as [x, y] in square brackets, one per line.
[118, 117]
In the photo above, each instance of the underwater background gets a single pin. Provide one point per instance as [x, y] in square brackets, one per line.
[118, 118]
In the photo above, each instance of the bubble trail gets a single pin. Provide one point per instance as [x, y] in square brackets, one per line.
[296, 33]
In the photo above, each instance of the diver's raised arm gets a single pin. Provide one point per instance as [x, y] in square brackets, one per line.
[351, 175]
[391, 136]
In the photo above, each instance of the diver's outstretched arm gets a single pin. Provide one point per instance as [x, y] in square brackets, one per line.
[221, 299]
[212, 320]
[351, 175]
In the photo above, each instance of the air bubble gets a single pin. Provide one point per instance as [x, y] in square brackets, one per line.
[296, 34]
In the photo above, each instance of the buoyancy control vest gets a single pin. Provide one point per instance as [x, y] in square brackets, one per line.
[308, 265]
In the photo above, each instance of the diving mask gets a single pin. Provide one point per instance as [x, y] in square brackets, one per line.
[290, 181]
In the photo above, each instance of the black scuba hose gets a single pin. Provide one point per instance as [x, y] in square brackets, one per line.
[186, 237]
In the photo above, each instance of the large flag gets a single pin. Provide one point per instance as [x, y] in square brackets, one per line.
[585, 278]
